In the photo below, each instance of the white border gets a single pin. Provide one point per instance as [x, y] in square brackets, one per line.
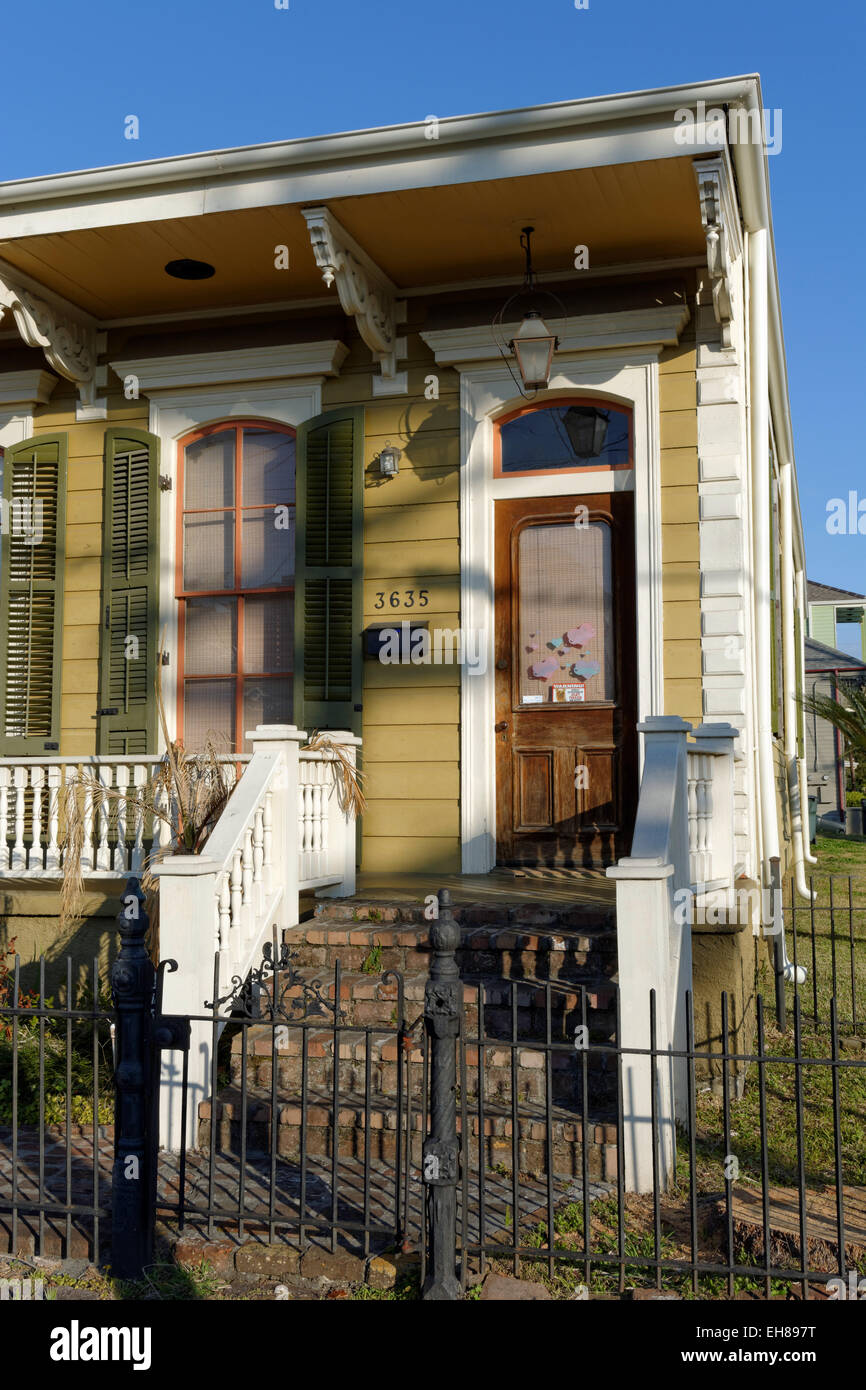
[174, 414]
[486, 394]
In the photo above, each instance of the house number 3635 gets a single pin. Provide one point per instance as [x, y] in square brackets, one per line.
[403, 598]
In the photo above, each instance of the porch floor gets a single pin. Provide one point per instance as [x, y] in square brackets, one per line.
[514, 887]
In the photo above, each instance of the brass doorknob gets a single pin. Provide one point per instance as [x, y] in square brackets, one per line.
[500, 727]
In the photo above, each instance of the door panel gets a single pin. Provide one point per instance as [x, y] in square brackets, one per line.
[566, 757]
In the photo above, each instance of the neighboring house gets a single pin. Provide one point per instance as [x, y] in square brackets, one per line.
[828, 607]
[208, 362]
[827, 670]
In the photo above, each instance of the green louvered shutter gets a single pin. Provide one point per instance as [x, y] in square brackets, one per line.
[127, 721]
[32, 551]
[329, 571]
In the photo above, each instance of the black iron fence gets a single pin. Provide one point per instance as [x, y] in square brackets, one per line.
[494, 1131]
[828, 938]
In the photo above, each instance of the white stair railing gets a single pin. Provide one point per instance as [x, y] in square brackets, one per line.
[283, 830]
[682, 852]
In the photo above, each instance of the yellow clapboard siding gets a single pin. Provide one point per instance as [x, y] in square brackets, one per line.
[80, 677]
[80, 741]
[354, 387]
[679, 467]
[681, 582]
[83, 573]
[682, 659]
[438, 705]
[87, 441]
[431, 449]
[443, 597]
[683, 358]
[76, 712]
[421, 855]
[685, 698]
[389, 416]
[85, 475]
[405, 781]
[83, 541]
[81, 609]
[434, 521]
[680, 543]
[677, 391]
[426, 743]
[440, 557]
[412, 487]
[84, 508]
[421, 817]
[682, 620]
[81, 642]
[380, 676]
[680, 505]
[679, 429]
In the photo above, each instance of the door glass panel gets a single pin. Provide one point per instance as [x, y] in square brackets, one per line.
[211, 636]
[566, 650]
[209, 714]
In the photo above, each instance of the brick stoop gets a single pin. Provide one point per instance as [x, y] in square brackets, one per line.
[521, 959]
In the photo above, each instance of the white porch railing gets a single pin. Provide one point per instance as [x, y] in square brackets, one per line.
[118, 834]
[282, 831]
[682, 849]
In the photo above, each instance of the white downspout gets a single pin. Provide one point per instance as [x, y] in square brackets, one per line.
[801, 760]
[792, 714]
[759, 441]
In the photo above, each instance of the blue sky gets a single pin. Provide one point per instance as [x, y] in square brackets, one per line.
[204, 74]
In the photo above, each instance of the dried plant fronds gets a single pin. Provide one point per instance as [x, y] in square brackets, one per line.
[347, 777]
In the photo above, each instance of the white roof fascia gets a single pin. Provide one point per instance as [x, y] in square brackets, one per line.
[617, 129]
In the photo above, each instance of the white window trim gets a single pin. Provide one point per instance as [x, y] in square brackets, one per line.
[485, 395]
[175, 413]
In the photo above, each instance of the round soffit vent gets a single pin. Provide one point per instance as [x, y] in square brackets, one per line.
[190, 270]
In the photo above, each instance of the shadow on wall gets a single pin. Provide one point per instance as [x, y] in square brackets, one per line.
[29, 917]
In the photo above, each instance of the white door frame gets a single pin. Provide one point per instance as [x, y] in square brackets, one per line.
[485, 395]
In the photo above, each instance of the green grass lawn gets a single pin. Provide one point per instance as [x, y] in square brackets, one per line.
[817, 935]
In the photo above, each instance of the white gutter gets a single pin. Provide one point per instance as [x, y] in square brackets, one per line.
[792, 713]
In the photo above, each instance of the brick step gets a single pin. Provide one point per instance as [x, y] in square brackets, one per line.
[514, 943]
[376, 1054]
[373, 1128]
[370, 1000]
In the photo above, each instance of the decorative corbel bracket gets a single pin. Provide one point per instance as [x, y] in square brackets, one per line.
[724, 239]
[65, 334]
[365, 292]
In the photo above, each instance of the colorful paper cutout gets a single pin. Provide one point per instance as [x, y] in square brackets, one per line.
[585, 669]
[554, 643]
[532, 646]
[542, 669]
[579, 636]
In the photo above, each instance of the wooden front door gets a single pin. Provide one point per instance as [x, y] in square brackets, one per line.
[566, 657]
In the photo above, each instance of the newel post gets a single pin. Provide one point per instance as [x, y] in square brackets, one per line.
[443, 1009]
[342, 827]
[286, 740]
[132, 985]
[722, 827]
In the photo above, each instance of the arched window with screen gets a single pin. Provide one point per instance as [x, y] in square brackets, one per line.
[235, 581]
[563, 436]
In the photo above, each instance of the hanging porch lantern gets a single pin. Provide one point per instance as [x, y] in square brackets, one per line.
[533, 345]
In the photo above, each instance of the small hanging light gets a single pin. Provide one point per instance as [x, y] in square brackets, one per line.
[533, 345]
[389, 461]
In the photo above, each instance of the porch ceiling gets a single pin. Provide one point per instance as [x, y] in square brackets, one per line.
[450, 233]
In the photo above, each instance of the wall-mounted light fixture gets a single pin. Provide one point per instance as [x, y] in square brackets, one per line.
[389, 461]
